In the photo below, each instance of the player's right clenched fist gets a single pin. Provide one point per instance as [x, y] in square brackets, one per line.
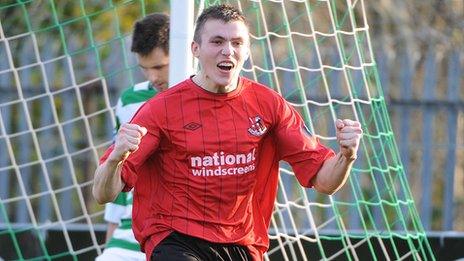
[127, 140]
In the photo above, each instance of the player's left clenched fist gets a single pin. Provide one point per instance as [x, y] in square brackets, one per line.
[348, 135]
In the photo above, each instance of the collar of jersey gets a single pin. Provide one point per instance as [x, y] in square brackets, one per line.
[147, 85]
[227, 95]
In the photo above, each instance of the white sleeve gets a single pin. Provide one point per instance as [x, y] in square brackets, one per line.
[114, 212]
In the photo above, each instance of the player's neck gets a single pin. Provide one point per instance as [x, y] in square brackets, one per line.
[207, 84]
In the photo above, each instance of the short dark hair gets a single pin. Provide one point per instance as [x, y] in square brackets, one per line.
[224, 12]
[150, 32]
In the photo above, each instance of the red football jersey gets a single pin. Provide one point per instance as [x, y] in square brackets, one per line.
[208, 166]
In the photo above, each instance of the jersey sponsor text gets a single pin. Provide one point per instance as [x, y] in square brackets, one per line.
[222, 164]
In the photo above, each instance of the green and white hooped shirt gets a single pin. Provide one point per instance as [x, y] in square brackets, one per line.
[120, 210]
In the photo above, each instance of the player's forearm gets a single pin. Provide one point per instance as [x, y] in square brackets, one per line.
[110, 231]
[333, 174]
[107, 181]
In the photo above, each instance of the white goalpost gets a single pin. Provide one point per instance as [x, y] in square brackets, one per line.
[181, 35]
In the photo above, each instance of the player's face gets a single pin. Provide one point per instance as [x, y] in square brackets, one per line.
[155, 67]
[223, 50]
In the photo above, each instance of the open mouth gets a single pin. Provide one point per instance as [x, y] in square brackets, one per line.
[225, 66]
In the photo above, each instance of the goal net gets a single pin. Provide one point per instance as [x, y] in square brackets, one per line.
[64, 63]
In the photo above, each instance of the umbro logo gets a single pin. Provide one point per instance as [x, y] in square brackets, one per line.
[192, 126]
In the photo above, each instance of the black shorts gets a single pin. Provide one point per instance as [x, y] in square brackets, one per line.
[181, 247]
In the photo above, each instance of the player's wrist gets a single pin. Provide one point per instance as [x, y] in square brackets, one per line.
[349, 157]
[115, 157]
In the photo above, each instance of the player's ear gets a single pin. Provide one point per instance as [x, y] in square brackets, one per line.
[195, 47]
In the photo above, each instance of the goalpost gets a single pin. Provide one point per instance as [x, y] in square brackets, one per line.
[181, 35]
[61, 71]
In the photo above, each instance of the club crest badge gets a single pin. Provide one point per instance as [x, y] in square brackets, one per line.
[257, 127]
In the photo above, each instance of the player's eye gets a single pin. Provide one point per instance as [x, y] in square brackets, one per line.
[216, 42]
[159, 67]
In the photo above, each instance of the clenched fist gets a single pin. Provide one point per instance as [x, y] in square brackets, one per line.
[127, 141]
[348, 136]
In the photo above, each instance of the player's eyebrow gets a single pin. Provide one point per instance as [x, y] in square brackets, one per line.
[220, 37]
[154, 66]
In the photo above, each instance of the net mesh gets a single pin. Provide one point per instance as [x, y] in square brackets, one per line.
[63, 64]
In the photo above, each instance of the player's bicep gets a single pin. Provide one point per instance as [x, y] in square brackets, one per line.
[292, 135]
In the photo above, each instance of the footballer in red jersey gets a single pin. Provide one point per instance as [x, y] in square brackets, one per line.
[203, 156]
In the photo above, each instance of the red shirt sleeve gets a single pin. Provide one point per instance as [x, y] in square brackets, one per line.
[144, 117]
[297, 146]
